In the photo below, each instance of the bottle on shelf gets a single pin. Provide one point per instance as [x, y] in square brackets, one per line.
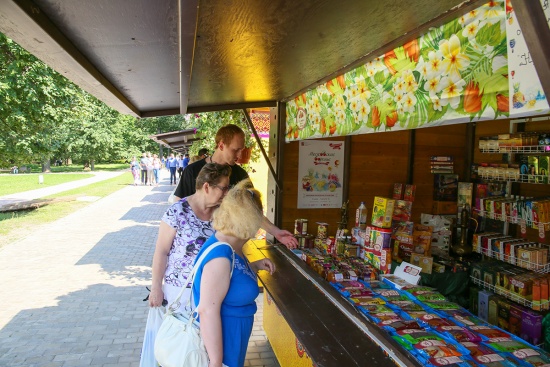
[361, 216]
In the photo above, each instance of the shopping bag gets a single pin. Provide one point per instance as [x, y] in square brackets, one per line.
[154, 320]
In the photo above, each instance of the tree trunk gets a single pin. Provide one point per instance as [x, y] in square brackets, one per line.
[92, 165]
[46, 166]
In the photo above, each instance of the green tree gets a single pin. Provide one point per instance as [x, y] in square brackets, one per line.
[35, 101]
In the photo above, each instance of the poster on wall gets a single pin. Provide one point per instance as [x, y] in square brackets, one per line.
[320, 174]
[527, 94]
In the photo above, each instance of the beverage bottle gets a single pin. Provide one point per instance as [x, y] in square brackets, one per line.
[361, 216]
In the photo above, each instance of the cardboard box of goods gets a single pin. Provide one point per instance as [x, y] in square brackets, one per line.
[444, 207]
[531, 327]
[544, 165]
[402, 210]
[493, 310]
[422, 238]
[515, 319]
[438, 268]
[410, 192]
[445, 187]
[504, 314]
[483, 304]
[398, 191]
[382, 212]
[533, 162]
[425, 262]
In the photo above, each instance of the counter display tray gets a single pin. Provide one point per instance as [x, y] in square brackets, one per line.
[331, 330]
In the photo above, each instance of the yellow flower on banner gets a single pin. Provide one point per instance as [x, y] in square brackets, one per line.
[454, 60]
[451, 91]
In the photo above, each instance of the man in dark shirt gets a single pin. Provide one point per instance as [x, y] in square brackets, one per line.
[229, 145]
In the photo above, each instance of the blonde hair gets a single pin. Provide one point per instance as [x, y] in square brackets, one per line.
[240, 213]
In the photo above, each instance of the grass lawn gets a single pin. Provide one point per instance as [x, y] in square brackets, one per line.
[16, 225]
[10, 184]
[97, 167]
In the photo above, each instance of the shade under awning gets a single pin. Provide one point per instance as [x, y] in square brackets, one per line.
[178, 141]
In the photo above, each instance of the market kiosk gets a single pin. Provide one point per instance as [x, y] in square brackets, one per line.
[373, 113]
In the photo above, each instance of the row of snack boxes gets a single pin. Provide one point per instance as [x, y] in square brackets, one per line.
[510, 209]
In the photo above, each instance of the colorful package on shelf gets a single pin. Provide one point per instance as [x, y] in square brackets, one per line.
[364, 292]
[442, 305]
[377, 309]
[394, 326]
[489, 332]
[381, 261]
[377, 284]
[422, 239]
[430, 297]
[384, 292]
[402, 228]
[410, 192]
[393, 281]
[364, 301]
[507, 345]
[378, 317]
[398, 191]
[445, 187]
[416, 289]
[382, 212]
[430, 319]
[458, 333]
[532, 357]
[424, 262]
[486, 356]
[406, 306]
[462, 317]
[402, 211]
[441, 233]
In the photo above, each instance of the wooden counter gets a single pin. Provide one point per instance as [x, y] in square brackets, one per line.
[332, 331]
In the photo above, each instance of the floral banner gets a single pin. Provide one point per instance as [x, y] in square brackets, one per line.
[455, 73]
[527, 95]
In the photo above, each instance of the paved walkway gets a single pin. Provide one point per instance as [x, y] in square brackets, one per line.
[46, 191]
[72, 290]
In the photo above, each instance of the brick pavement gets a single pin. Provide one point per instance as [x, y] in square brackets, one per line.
[72, 290]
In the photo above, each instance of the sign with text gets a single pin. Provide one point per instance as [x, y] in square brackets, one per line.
[320, 174]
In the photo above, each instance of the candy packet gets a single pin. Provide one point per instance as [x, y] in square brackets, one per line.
[395, 325]
[458, 333]
[363, 301]
[406, 306]
[506, 345]
[485, 356]
[416, 290]
[532, 356]
[363, 292]
[462, 317]
[386, 292]
[489, 332]
[375, 308]
[442, 305]
[429, 297]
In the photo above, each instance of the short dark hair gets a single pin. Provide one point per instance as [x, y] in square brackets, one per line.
[212, 173]
[202, 152]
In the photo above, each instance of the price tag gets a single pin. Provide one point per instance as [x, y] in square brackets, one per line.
[523, 228]
[542, 234]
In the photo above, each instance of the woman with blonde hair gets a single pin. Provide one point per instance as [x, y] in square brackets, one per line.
[227, 296]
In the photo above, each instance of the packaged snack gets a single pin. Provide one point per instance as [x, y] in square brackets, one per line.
[382, 212]
[532, 356]
[489, 332]
[406, 306]
[486, 356]
[442, 305]
[506, 345]
[463, 317]
[383, 316]
[415, 289]
[395, 299]
[434, 296]
[434, 320]
[460, 334]
[363, 301]
[415, 336]
[360, 292]
[386, 292]
[394, 325]
[448, 361]
[375, 308]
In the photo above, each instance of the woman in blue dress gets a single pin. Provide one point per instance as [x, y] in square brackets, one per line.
[227, 299]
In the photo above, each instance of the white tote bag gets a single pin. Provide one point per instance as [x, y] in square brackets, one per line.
[154, 320]
[178, 342]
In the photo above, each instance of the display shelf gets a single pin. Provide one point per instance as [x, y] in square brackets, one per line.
[529, 149]
[520, 263]
[513, 220]
[507, 294]
[521, 178]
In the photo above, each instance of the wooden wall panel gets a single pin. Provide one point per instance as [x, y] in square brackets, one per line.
[380, 160]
